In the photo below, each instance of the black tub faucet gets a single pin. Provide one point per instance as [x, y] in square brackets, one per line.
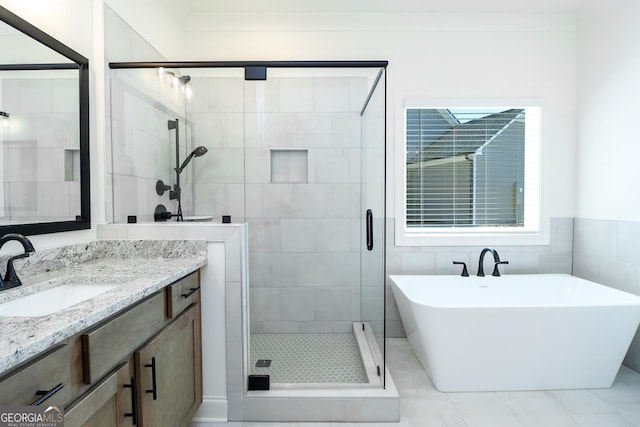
[11, 279]
[496, 262]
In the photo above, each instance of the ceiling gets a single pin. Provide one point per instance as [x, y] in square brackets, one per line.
[389, 6]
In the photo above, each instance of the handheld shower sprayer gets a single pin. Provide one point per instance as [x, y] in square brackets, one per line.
[161, 187]
[199, 151]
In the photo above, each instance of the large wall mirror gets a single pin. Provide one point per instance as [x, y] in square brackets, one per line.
[44, 132]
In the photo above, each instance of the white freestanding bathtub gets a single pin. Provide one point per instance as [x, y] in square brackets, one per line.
[516, 332]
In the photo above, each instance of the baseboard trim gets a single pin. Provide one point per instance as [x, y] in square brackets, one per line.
[213, 409]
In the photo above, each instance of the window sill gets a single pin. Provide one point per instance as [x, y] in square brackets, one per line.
[405, 237]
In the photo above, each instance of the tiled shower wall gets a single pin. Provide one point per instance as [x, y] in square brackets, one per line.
[553, 258]
[285, 155]
[215, 113]
[40, 148]
[305, 235]
[140, 147]
[608, 252]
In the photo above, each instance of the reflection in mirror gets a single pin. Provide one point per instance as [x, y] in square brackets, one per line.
[44, 159]
[39, 136]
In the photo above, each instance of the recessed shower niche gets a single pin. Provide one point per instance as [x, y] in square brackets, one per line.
[289, 165]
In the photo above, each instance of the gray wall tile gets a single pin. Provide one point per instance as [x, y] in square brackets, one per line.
[337, 303]
[628, 239]
[298, 235]
[297, 304]
[608, 252]
[264, 304]
[314, 269]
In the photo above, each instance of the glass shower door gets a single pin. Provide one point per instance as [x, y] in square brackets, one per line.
[304, 157]
[373, 204]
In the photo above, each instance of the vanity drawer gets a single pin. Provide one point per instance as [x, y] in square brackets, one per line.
[116, 339]
[45, 374]
[182, 293]
[104, 404]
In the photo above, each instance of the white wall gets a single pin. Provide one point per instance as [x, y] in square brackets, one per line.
[69, 21]
[607, 227]
[608, 93]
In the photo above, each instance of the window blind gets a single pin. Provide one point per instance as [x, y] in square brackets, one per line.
[465, 167]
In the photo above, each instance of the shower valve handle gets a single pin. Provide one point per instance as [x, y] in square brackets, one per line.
[165, 215]
[161, 187]
[161, 214]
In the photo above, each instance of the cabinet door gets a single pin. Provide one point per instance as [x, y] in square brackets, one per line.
[170, 371]
[109, 403]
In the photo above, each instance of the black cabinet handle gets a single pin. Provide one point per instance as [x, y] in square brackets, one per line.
[369, 230]
[134, 401]
[191, 292]
[154, 389]
[46, 394]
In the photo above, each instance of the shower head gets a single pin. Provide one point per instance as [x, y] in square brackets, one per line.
[174, 79]
[172, 124]
[178, 81]
[199, 151]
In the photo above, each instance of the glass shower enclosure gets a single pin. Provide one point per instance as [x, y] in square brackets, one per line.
[297, 151]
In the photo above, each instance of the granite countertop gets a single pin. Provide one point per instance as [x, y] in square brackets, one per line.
[139, 267]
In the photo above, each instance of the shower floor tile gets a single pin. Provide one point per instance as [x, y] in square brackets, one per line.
[308, 358]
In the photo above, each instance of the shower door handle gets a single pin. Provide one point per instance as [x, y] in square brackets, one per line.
[369, 230]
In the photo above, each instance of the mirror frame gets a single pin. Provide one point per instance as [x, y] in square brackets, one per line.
[82, 221]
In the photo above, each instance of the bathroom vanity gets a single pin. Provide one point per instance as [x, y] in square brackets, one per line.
[127, 356]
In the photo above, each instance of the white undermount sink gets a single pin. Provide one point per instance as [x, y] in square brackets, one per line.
[54, 299]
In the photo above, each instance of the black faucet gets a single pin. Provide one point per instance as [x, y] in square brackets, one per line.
[496, 261]
[11, 279]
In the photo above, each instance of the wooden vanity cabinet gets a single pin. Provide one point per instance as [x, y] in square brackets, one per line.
[142, 366]
[158, 343]
[106, 376]
[160, 338]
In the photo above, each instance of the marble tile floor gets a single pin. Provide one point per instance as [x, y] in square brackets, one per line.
[423, 406]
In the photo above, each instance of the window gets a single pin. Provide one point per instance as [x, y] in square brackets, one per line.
[471, 171]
